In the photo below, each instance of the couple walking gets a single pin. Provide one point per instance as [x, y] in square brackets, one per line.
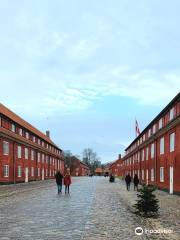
[135, 181]
[59, 180]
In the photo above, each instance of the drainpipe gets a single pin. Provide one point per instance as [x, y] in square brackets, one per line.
[14, 164]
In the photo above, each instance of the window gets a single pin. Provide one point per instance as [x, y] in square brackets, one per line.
[5, 148]
[39, 141]
[147, 153]
[19, 171]
[142, 174]
[27, 135]
[149, 132]
[138, 156]
[144, 137]
[162, 145]
[171, 114]
[6, 171]
[154, 128]
[161, 174]
[172, 142]
[38, 172]
[46, 172]
[19, 151]
[34, 139]
[32, 171]
[32, 155]
[42, 143]
[152, 150]
[142, 155]
[160, 123]
[47, 159]
[39, 157]
[13, 128]
[26, 153]
[42, 158]
[20, 131]
[50, 173]
[152, 174]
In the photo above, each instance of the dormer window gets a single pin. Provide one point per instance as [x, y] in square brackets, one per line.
[20, 131]
[27, 135]
[34, 139]
[171, 114]
[13, 128]
[160, 123]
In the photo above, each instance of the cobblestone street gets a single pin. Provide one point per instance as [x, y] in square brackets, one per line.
[95, 209]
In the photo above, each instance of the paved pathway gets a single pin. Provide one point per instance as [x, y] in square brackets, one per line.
[95, 210]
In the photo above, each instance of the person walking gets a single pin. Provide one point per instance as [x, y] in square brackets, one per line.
[59, 178]
[128, 181]
[67, 182]
[136, 182]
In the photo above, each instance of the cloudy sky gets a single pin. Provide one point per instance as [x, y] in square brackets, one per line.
[84, 69]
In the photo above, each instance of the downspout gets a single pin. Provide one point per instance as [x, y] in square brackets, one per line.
[14, 164]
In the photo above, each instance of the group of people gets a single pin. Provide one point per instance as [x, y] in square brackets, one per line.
[60, 179]
[128, 181]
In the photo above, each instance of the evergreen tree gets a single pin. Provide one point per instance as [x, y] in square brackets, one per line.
[147, 203]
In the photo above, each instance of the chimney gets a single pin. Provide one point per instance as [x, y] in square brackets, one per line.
[48, 134]
[119, 156]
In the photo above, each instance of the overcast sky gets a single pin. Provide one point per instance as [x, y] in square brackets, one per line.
[84, 69]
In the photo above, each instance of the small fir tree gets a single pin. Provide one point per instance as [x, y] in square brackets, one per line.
[147, 204]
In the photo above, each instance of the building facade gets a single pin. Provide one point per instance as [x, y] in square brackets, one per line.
[79, 168]
[116, 167]
[155, 154]
[26, 154]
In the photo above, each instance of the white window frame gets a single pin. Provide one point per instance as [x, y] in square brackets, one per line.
[171, 114]
[19, 171]
[32, 155]
[142, 174]
[13, 127]
[152, 174]
[162, 146]
[152, 150]
[26, 153]
[161, 174]
[160, 123]
[39, 157]
[154, 128]
[20, 131]
[19, 151]
[6, 171]
[5, 148]
[27, 135]
[32, 171]
[172, 142]
[34, 139]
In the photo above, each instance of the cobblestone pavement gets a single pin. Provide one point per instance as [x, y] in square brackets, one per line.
[95, 210]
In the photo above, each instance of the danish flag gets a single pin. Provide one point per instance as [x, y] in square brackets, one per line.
[137, 128]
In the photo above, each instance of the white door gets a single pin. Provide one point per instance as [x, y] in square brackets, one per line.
[26, 174]
[171, 180]
[147, 176]
[43, 174]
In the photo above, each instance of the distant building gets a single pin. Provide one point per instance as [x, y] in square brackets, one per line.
[99, 171]
[78, 168]
[116, 167]
[26, 154]
[155, 154]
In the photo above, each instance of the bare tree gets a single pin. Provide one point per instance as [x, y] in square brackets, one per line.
[91, 159]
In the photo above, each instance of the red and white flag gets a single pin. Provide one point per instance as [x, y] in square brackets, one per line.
[137, 128]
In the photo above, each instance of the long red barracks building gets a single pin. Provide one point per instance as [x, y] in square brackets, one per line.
[26, 154]
[155, 154]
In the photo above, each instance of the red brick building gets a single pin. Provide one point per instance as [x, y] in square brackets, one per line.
[155, 154]
[116, 168]
[26, 154]
[79, 168]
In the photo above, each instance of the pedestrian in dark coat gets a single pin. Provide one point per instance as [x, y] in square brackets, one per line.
[67, 182]
[128, 181]
[59, 178]
[136, 182]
